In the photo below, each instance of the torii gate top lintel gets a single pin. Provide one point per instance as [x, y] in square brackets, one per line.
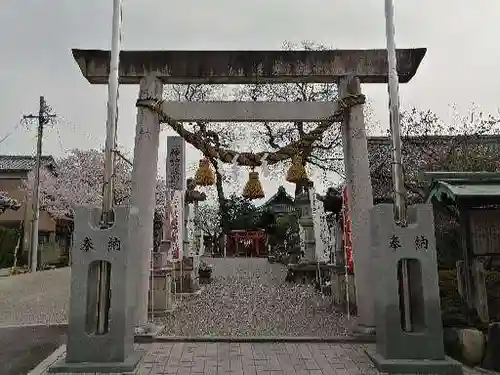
[247, 67]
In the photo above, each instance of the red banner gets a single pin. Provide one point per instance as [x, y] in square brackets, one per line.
[347, 232]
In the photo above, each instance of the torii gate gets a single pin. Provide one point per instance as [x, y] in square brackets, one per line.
[348, 68]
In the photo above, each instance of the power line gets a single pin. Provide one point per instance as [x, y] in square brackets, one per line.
[5, 137]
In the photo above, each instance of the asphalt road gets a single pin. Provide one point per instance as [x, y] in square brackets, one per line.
[35, 298]
[23, 348]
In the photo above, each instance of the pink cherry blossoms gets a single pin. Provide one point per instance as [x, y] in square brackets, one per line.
[78, 181]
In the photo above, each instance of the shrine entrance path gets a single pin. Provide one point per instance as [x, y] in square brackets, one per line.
[249, 297]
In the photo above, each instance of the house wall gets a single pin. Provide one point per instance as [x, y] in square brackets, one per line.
[14, 184]
[282, 208]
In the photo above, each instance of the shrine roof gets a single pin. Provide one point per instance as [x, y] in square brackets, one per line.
[463, 185]
[281, 196]
[247, 67]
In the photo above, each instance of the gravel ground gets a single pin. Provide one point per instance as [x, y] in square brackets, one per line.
[249, 297]
[41, 298]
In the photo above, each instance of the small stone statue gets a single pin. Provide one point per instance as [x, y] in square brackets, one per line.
[193, 195]
[332, 201]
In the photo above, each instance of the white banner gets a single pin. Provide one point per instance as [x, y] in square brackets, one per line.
[321, 231]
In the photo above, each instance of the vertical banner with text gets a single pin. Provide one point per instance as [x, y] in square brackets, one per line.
[176, 189]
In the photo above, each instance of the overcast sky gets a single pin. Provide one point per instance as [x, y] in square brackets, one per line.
[461, 65]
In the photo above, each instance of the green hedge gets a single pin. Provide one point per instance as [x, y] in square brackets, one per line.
[8, 241]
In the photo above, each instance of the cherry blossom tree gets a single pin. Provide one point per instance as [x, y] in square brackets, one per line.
[324, 158]
[8, 203]
[431, 144]
[208, 221]
[78, 182]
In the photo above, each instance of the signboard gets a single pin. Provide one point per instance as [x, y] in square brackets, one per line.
[176, 187]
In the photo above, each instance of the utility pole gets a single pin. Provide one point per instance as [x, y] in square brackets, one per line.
[103, 283]
[400, 214]
[43, 118]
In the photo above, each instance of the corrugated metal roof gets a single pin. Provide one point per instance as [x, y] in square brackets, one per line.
[22, 162]
[471, 139]
[473, 190]
[464, 185]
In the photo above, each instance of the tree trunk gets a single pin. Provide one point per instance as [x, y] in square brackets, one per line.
[18, 245]
[224, 217]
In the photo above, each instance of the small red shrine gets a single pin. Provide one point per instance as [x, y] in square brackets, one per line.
[246, 243]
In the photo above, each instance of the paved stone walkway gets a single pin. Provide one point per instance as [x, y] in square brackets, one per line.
[209, 358]
[251, 359]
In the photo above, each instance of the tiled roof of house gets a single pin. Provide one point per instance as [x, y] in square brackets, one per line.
[26, 163]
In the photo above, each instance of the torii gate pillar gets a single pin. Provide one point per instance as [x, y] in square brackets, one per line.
[359, 189]
[144, 174]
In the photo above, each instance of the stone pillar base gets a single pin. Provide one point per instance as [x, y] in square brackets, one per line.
[160, 258]
[185, 278]
[340, 289]
[148, 332]
[127, 366]
[337, 290]
[415, 366]
[302, 273]
[361, 330]
[160, 292]
[185, 282]
[307, 272]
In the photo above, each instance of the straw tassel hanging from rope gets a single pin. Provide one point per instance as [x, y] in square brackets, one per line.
[253, 188]
[297, 172]
[204, 175]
